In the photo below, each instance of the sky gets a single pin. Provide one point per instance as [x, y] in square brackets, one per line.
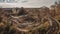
[28, 3]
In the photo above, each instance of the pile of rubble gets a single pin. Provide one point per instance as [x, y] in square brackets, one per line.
[30, 20]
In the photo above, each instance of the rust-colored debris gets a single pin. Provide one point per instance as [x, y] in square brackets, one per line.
[42, 20]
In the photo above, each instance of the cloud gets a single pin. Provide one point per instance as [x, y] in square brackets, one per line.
[29, 3]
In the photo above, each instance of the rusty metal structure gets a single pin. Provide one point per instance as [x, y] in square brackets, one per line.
[30, 20]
